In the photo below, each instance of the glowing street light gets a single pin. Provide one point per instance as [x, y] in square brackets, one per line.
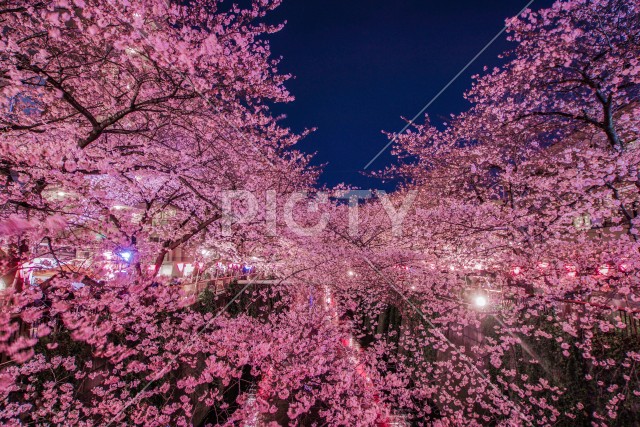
[126, 255]
[480, 301]
[351, 273]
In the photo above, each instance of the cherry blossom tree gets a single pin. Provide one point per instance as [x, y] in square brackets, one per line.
[122, 130]
[526, 227]
[139, 108]
[509, 296]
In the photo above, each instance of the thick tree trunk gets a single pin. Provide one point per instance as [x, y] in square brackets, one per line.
[608, 123]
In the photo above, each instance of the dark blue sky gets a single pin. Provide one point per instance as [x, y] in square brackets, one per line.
[360, 65]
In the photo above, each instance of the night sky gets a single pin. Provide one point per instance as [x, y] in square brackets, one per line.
[360, 65]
